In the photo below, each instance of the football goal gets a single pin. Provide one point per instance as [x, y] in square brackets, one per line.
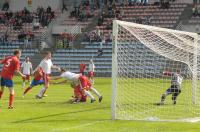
[141, 89]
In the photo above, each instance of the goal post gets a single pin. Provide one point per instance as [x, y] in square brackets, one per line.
[140, 55]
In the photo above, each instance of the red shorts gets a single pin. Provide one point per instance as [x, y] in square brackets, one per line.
[85, 83]
[46, 78]
[26, 78]
[91, 74]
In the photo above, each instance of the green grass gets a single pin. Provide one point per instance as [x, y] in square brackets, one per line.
[54, 114]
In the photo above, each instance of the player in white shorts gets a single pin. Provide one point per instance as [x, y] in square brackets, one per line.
[26, 70]
[80, 80]
[46, 65]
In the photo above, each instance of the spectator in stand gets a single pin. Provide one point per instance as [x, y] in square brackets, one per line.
[100, 50]
[5, 6]
[198, 10]
[98, 34]
[100, 20]
[21, 36]
[92, 4]
[194, 11]
[48, 10]
[165, 4]
[145, 2]
[5, 38]
[122, 12]
[109, 38]
[109, 26]
[82, 67]
[26, 43]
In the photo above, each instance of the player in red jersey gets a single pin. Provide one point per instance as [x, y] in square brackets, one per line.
[11, 65]
[82, 81]
[37, 80]
[78, 94]
[86, 86]
[82, 67]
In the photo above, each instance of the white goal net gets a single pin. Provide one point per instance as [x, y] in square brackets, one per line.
[155, 73]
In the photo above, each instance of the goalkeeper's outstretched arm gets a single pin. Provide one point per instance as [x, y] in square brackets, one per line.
[167, 73]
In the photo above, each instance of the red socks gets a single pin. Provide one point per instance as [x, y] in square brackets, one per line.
[11, 99]
[26, 90]
[1, 92]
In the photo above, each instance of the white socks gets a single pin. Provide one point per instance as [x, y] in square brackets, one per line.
[23, 85]
[87, 93]
[96, 92]
[40, 94]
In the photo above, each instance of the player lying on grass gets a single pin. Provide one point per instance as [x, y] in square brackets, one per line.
[82, 81]
[78, 94]
[174, 89]
[37, 80]
[11, 65]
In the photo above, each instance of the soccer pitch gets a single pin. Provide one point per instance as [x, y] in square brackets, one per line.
[54, 114]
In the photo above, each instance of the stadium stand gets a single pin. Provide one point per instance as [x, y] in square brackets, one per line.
[71, 58]
[96, 43]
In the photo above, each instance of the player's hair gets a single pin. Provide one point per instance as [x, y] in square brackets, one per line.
[62, 69]
[178, 71]
[17, 52]
[27, 57]
[47, 52]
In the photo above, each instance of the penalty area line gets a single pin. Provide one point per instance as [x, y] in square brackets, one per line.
[75, 127]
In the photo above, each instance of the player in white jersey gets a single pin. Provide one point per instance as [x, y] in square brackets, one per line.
[46, 65]
[174, 89]
[91, 71]
[80, 81]
[26, 68]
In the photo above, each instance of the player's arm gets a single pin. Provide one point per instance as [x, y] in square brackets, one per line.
[64, 81]
[31, 70]
[167, 73]
[3, 60]
[17, 69]
[55, 67]
[19, 73]
[56, 78]
[21, 67]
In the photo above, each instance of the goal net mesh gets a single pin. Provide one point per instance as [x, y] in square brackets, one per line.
[140, 56]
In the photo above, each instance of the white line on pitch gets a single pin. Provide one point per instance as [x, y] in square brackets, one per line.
[78, 126]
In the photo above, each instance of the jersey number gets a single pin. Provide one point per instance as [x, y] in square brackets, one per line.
[8, 62]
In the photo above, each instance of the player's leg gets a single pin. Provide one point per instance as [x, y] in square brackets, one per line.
[91, 77]
[1, 91]
[11, 97]
[175, 95]
[164, 95]
[33, 83]
[43, 90]
[28, 78]
[87, 93]
[2, 87]
[23, 82]
[9, 84]
[96, 93]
